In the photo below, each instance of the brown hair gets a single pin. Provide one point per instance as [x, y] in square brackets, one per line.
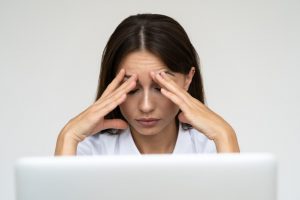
[157, 34]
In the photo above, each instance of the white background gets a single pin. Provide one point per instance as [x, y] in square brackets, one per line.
[50, 53]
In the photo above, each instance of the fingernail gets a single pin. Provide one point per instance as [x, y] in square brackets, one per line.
[162, 74]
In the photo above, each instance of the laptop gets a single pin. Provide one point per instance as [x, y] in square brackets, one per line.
[148, 177]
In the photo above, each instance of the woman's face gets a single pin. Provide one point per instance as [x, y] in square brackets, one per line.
[145, 100]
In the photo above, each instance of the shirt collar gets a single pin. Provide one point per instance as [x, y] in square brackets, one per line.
[184, 143]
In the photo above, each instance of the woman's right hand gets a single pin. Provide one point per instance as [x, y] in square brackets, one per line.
[91, 120]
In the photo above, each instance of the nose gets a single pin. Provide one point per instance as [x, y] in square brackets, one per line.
[146, 104]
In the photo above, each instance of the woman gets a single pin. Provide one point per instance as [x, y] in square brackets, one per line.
[150, 97]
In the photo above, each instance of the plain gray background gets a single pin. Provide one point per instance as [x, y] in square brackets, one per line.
[50, 53]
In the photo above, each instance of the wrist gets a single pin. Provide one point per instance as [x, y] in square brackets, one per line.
[66, 144]
[227, 141]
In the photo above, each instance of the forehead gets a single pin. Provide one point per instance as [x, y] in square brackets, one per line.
[141, 62]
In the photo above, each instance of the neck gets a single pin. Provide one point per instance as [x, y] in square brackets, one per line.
[162, 142]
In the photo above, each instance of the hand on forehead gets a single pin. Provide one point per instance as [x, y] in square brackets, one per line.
[141, 75]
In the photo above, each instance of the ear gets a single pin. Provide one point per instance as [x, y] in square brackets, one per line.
[189, 78]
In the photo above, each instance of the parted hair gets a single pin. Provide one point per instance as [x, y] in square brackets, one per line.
[158, 34]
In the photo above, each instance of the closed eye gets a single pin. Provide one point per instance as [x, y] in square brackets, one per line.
[133, 91]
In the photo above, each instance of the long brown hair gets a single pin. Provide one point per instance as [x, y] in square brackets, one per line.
[157, 34]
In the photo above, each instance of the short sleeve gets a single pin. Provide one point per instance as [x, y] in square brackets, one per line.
[202, 143]
[84, 148]
[98, 144]
[210, 147]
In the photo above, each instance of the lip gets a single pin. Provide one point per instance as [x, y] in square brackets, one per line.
[147, 122]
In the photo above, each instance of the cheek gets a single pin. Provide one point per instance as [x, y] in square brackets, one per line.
[166, 104]
[127, 108]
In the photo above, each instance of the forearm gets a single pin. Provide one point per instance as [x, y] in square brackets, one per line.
[65, 145]
[227, 142]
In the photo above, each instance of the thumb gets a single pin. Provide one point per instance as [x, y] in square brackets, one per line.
[182, 118]
[114, 124]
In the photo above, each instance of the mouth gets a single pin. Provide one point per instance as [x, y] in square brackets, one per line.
[148, 122]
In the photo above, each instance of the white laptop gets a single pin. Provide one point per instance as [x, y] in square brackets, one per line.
[148, 177]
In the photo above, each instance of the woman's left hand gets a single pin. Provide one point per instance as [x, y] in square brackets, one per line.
[198, 115]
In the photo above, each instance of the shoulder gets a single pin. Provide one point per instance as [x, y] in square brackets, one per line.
[100, 143]
[201, 142]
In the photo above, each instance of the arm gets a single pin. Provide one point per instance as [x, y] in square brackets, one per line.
[198, 115]
[227, 142]
[92, 120]
[65, 144]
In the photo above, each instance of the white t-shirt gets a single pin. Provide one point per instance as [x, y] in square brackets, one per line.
[188, 141]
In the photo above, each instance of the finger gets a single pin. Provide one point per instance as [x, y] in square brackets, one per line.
[124, 88]
[127, 85]
[109, 124]
[117, 97]
[114, 124]
[177, 100]
[153, 76]
[109, 105]
[170, 85]
[114, 84]
[182, 118]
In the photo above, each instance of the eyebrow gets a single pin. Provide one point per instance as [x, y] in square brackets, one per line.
[166, 71]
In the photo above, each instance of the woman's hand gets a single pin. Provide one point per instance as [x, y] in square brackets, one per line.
[91, 120]
[198, 115]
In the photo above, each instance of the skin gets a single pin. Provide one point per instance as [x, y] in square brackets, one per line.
[146, 88]
[147, 101]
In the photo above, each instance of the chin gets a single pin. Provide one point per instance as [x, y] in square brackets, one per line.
[147, 131]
